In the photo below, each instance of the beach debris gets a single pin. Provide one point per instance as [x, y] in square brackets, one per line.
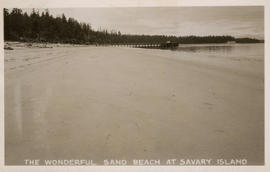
[44, 46]
[8, 47]
[29, 45]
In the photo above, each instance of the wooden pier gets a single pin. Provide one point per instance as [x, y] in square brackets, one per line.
[166, 45]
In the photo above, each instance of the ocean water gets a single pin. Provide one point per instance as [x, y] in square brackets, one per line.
[225, 50]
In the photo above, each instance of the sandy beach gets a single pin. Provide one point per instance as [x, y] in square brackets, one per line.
[128, 103]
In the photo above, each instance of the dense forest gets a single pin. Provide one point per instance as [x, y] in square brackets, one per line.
[44, 27]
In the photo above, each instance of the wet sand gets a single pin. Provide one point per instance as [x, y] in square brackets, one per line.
[125, 103]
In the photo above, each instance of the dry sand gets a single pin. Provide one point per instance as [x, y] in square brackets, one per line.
[125, 103]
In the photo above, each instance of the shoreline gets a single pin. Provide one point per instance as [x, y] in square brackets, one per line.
[13, 44]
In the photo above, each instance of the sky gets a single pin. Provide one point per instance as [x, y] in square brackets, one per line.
[245, 21]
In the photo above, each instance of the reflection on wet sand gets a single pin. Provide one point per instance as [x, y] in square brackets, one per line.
[18, 109]
[207, 48]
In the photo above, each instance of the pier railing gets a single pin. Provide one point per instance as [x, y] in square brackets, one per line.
[168, 45]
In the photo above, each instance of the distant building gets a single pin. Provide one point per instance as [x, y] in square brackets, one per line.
[168, 45]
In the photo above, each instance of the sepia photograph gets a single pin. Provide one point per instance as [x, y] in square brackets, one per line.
[134, 86]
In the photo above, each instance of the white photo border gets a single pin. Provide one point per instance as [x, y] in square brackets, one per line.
[135, 3]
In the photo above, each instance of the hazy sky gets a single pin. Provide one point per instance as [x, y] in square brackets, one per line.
[180, 21]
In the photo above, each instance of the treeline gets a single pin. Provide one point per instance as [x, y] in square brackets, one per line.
[44, 27]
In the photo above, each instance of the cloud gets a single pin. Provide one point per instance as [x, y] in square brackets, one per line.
[235, 21]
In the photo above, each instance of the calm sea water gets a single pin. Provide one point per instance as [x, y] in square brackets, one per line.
[230, 50]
